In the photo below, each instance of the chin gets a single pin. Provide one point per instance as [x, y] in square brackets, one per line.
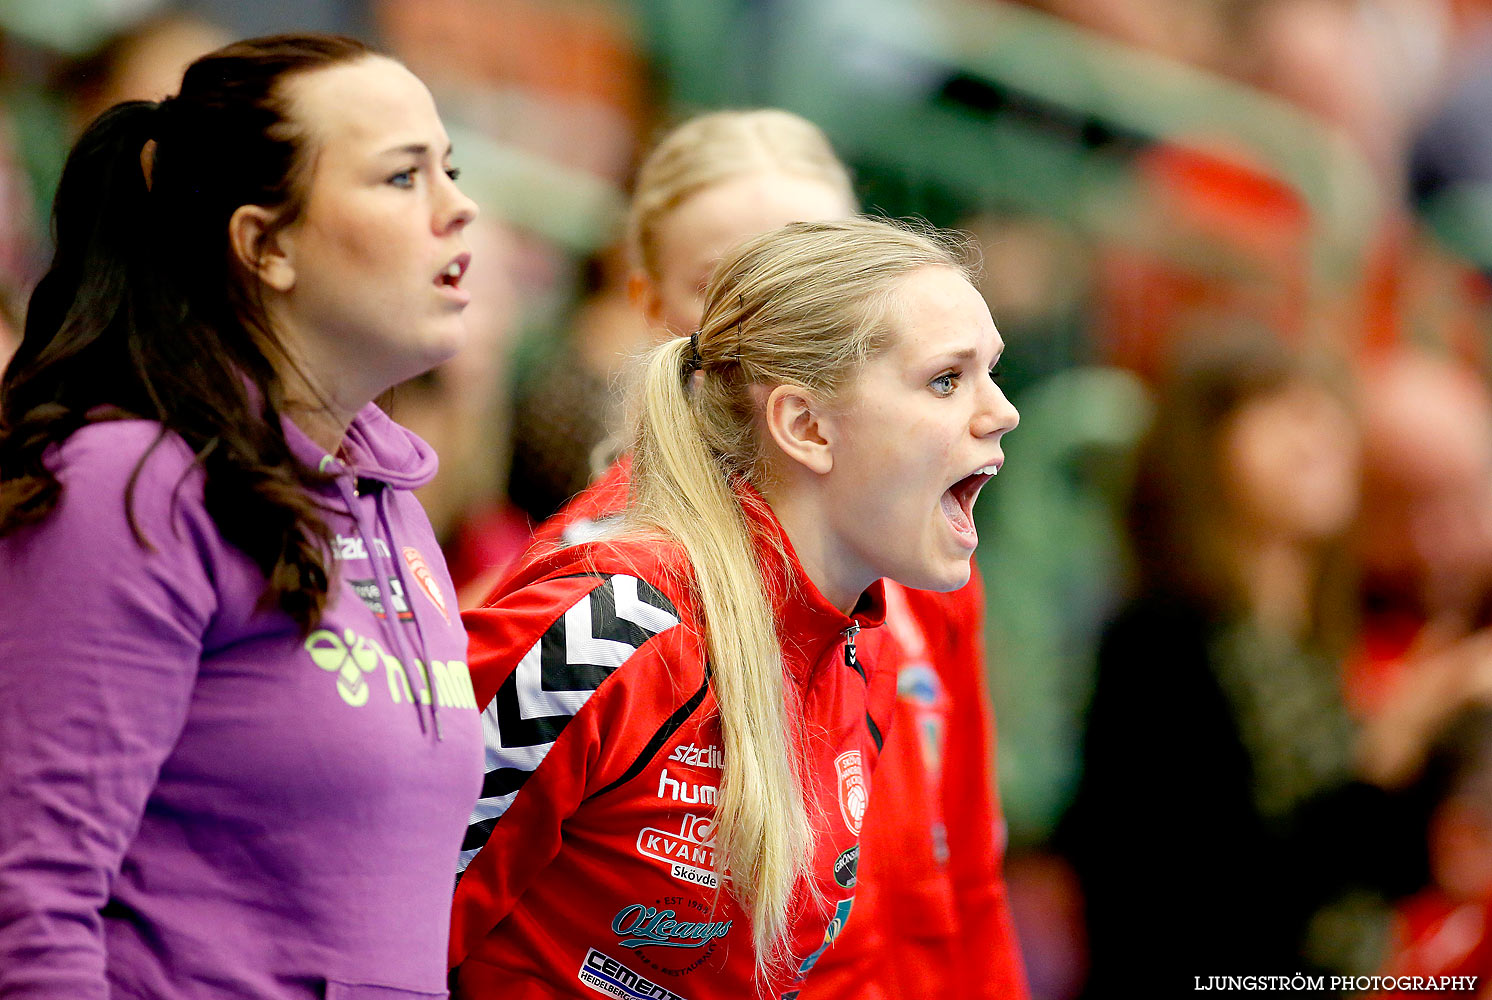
[439, 347]
[939, 579]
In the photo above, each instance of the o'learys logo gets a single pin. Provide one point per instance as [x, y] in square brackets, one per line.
[654, 932]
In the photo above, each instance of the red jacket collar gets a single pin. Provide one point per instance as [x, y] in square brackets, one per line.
[804, 616]
[806, 621]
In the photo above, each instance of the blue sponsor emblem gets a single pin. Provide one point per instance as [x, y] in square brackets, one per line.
[836, 925]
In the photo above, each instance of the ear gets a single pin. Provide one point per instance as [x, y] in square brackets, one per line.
[261, 249]
[799, 428]
[642, 292]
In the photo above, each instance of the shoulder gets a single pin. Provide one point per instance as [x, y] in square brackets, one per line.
[111, 451]
[120, 475]
[659, 564]
[130, 544]
[575, 619]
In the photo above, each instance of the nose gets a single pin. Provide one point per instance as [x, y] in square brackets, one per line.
[996, 414]
[455, 210]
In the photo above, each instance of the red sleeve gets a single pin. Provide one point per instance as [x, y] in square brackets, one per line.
[559, 722]
[989, 959]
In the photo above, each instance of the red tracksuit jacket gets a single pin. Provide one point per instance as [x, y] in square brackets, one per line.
[931, 914]
[591, 851]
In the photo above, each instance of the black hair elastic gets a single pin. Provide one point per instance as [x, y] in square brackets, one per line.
[693, 363]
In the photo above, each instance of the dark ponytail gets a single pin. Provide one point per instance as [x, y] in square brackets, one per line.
[144, 314]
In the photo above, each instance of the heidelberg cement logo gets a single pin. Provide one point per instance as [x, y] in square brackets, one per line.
[846, 867]
[689, 853]
[605, 974]
[852, 790]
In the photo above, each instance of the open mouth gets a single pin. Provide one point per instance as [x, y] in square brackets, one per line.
[451, 276]
[958, 500]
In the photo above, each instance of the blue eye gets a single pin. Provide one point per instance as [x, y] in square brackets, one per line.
[945, 383]
[404, 178]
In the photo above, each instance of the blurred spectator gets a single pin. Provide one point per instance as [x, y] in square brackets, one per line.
[1218, 827]
[553, 97]
[10, 339]
[143, 63]
[1184, 30]
[563, 80]
[1426, 536]
[129, 57]
[565, 408]
[1446, 929]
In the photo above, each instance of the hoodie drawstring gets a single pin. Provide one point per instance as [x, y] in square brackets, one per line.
[427, 672]
[393, 632]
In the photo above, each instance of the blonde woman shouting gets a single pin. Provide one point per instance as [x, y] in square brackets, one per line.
[930, 911]
[682, 738]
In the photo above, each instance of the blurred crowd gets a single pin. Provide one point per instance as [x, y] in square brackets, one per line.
[1239, 564]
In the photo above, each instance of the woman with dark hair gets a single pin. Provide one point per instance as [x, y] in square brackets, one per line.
[238, 743]
[1224, 824]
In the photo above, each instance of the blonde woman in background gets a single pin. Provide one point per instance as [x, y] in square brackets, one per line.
[930, 905]
[681, 736]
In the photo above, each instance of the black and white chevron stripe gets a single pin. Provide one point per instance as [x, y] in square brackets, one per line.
[595, 636]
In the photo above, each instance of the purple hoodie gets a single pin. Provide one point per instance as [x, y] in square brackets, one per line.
[195, 802]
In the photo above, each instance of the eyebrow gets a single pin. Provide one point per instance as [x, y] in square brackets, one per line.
[965, 355]
[414, 149]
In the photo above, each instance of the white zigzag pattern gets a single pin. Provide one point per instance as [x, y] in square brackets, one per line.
[637, 611]
[534, 702]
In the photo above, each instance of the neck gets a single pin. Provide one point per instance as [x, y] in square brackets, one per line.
[826, 568]
[321, 397]
[325, 428]
[1277, 575]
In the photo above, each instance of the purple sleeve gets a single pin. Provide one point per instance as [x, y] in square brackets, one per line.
[100, 642]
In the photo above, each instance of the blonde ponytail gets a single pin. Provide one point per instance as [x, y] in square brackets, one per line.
[762, 833]
[807, 306]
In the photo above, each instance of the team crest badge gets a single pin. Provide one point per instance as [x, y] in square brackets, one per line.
[426, 579]
[852, 790]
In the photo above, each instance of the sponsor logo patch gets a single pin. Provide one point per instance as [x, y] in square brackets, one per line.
[847, 867]
[681, 790]
[831, 934]
[692, 756]
[345, 547]
[350, 656]
[918, 685]
[673, 936]
[689, 854]
[368, 592]
[852, 791]
[605, 974]
[426, 579]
